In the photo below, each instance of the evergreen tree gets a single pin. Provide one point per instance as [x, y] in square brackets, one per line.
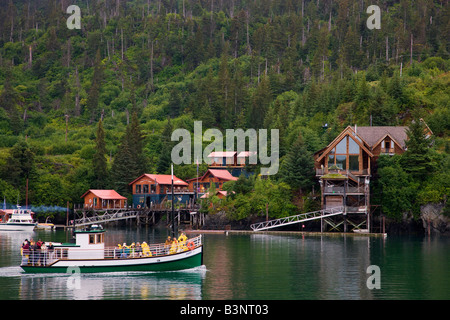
[130, 161]
[19, 166]
[261, 101]
[417, 159]
[166, 149]
[99, 163]
[135, 137]
[297, 169]
[119, 171]
[94, 91]
[9, 99]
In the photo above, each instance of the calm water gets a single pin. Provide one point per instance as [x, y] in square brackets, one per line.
[250, 266]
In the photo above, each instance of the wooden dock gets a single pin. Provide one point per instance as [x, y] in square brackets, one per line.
[185, 213]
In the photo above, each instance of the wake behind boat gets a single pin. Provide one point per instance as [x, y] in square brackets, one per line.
[90, 255]
[20, 220]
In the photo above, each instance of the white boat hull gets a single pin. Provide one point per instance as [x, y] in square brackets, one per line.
[16, 227]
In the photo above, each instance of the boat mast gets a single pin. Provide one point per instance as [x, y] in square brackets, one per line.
[173, 213]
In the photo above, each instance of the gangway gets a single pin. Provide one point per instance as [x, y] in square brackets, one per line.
[302, 217]
[115, 215]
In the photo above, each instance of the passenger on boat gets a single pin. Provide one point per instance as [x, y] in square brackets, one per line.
[146, 250]
[43, 255]
[174, 246]
[182, 237]
[125, 251]
[50, 250]
[25, 251]
[167, 245]
[138, 250]
[34, 252]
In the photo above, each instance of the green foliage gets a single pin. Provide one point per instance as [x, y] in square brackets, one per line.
[293, 66]
[99, 164]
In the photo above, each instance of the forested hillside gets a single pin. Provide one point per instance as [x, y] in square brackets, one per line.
[95, 107]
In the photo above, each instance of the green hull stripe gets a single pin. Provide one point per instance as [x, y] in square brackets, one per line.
[186, 263]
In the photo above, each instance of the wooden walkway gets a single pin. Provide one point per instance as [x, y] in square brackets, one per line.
[147, 215]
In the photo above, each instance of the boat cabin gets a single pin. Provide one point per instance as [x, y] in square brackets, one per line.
[89, 241]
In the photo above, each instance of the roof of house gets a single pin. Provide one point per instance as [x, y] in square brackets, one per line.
[162, 179]
[245, 154]
[221, 174]
[222, 192]
[372, 135]
[105, 194]
[222, 154]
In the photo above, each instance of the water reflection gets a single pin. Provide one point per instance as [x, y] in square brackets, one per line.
[250, 266]
[169, 285]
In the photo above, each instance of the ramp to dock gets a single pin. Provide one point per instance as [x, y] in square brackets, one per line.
[302, 217]
[113, 215]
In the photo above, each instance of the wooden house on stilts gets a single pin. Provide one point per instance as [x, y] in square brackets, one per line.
[345, 167]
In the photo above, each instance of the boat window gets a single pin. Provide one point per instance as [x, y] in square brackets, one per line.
[91, 238]
[100, 238]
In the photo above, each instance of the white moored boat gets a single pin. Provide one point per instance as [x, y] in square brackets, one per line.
[20, 220]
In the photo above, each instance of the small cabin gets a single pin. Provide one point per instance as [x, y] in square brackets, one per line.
[216, 176]
[103, 200]
[223, 158]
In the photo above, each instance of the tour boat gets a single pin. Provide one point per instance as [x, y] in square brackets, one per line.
[88, 255]
[20, 220]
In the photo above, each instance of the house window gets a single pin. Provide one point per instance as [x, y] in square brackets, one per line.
[145, 188]
[341, 162]
[353, 162]
[95, 201]
[138, 188]
[345, 155]
[353, 147]
[330, 160]
[342, 146]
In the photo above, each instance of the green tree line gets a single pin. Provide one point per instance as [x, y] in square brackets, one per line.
[95, 107]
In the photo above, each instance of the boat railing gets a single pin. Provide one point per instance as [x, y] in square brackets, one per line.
[47, 257]
[152, 250]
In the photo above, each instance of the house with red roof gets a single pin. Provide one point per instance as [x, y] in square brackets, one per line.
[103, 199]
[151, 189]
[216, 176]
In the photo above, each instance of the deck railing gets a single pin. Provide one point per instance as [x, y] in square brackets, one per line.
[47, 257]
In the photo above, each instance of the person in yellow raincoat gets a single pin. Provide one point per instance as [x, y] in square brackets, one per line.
[146, 250]
[174, 246]
[182, 243]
